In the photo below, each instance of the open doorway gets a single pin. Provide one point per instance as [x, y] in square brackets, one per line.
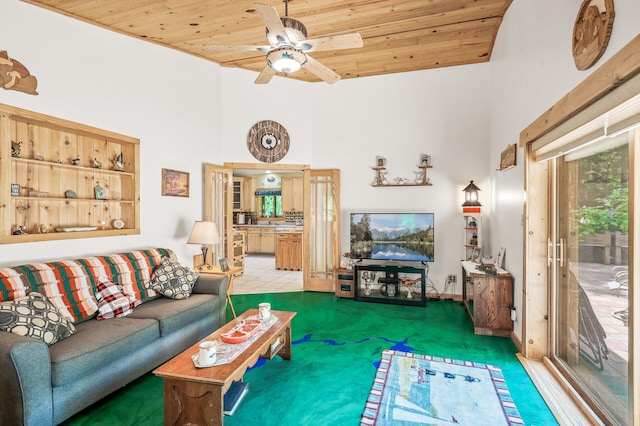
[320, 221]
[268, 211]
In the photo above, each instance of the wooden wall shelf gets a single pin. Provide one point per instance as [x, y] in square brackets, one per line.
[421, 175]
[44, 167]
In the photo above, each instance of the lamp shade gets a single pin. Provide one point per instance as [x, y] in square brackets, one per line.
[204, 232]
[471, 195]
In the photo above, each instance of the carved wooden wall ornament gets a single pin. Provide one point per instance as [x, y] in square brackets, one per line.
[592, 31]
[15, 76]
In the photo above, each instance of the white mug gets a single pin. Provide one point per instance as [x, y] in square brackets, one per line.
[207, 354]
[264, 310]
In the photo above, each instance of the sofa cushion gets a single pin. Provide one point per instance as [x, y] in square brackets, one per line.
[98, 343]
[132, 270]
[173, 280]
[34, 316]
[173, 315]
[66, 285]
[112, 302]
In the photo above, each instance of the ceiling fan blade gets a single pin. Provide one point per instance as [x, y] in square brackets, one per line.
[265, 75]
[321, 71]
[334, 42]
[236, 48]
[276, 33]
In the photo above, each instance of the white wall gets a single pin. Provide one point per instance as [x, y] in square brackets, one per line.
[443, 113]
[169, 100]
[531, 69]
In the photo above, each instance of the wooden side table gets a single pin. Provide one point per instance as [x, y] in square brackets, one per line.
[215, 270]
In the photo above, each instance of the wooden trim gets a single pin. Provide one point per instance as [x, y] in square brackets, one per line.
[266, 166]
[620, 68]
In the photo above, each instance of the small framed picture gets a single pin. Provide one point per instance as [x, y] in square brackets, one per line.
[15, 190]
[476, 256]
[381, 161]
[500, 259]
[224, 264]
[508, 157]
[175, 183]
[425, 160]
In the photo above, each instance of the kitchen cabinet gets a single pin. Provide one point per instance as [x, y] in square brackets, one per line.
[260, 239]
[238, 249]
[289, 251]
[292, 193]
[65, 180]
[249, 186]
[237, 194]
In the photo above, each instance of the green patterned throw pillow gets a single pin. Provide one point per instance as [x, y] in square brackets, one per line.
[173, 280]
[34, 316]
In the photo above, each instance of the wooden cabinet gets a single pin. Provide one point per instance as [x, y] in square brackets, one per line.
[260, 239]
[292, 194]
[60, 179]
[488, 300]
[289, 251]
[249, 186]
[238, 249]
[344, 285]
[237, 194]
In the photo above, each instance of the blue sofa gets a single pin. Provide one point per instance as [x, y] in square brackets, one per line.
[46, 384]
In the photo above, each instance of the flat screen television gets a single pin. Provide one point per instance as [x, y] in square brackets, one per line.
[392, 236]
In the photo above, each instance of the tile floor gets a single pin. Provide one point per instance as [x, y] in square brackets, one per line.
[260, 276]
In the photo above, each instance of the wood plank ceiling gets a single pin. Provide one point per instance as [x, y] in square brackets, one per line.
[399, 35]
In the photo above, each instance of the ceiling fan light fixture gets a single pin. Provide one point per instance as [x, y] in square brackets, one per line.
[286, 59]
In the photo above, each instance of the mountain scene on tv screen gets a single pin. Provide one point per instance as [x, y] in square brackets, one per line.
[392, 236]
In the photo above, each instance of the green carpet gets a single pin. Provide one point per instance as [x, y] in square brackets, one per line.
[336, 345]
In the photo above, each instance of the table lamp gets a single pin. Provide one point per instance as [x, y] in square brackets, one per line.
[204, 233]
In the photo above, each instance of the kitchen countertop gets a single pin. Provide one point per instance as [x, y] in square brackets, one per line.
[279, 227]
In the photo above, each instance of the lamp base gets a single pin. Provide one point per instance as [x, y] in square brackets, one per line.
[204, 264]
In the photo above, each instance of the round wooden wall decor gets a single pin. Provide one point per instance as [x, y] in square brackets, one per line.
[268, 141]
[591, 32]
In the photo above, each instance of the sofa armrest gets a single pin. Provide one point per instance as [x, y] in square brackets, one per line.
[212, 284]
[27, 397]
[218, 285]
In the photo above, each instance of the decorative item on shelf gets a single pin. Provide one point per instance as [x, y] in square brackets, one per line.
[16, 148]
[204, 233]
[99, 192]
[381, 161]
[42, 229]
[38, 157]
[76, 161]
[70, 194]
[368, 277]
[118, 163]
[425, 160]
[419, 179]
[19, 231]
[96, 163]
[118, 224]
[473, 224]
[474, 240]
[349, 261]
[35, 193]
[400, 180]
[15, 190]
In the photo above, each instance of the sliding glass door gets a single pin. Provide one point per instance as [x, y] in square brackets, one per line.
[589, 270]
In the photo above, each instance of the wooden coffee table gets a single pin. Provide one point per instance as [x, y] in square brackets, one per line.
[195, 395]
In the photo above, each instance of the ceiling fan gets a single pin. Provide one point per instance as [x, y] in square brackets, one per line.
[289, 46]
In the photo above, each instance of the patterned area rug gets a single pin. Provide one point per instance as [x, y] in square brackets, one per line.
[412, 389]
